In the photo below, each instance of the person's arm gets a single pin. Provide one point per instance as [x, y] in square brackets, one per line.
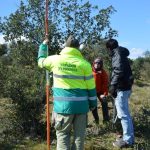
[44, 61]
[42, 54]
[90, 82]
[105, 83]
[118, 70]
[117, 74]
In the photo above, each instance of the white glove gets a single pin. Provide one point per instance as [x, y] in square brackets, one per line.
[45, 41]
[102, 96]
[81, 47]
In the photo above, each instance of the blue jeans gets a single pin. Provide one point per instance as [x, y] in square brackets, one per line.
[123, 113]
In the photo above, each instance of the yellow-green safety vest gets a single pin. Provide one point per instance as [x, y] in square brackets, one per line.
[73, 83]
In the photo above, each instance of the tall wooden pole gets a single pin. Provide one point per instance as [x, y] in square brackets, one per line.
[47, 81]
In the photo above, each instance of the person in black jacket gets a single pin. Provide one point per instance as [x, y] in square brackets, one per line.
[120, 88]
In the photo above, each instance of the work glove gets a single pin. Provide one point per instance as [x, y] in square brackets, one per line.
[82, 46]
[113, 91]
[46, 41]
[102, 96]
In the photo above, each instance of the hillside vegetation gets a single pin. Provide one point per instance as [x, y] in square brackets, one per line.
[22, 83]
[98, 137]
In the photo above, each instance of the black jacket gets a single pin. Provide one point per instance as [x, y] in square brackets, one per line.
[121, 76]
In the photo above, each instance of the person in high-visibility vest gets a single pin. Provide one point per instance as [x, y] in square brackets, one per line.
[74, 92]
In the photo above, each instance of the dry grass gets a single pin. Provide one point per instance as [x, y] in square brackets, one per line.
[101, 137]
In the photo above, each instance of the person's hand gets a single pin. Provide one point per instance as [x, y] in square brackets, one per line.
[113, 91]
[46, 41]
[102, 96]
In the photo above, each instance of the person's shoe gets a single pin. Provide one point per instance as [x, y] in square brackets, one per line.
[118, 136]
[122, 144]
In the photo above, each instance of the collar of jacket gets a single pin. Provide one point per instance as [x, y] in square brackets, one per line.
[112, 52]
[71, 51]
[96, 72]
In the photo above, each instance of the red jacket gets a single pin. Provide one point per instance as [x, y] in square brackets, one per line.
[101, 81]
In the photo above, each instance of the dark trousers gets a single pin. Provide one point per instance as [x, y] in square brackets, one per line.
[105, 112]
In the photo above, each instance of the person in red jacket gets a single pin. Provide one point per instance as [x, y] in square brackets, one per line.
[101, 80]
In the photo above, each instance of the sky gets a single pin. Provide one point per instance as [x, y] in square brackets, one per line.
[132, 21]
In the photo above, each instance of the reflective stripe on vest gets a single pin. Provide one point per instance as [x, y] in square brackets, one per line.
[73, 77]
[73, 98]
[93, 98]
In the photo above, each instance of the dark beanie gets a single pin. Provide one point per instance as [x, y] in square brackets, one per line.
[99, 60]
[72, 42]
